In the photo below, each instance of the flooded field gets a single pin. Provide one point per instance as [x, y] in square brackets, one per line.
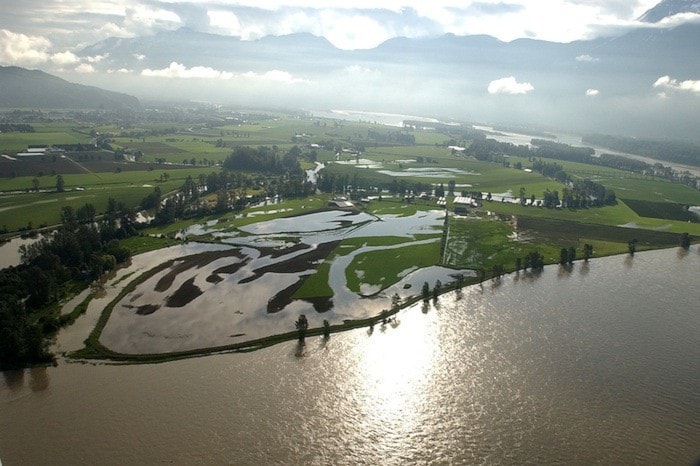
[243, 288]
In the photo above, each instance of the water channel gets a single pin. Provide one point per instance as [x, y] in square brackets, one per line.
[598, 364]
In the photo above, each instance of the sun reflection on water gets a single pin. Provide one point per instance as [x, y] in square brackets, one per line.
[395, 374]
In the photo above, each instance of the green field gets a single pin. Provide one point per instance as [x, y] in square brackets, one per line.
[645, 203]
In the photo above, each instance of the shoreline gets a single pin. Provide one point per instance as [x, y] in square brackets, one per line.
[93, 351]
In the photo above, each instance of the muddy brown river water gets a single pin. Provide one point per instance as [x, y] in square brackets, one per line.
[600, 364]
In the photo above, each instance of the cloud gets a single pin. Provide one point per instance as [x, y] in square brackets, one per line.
[587, 58]
[84, 68]
[65, 58]
[592, 92]
[509, 85]
[96, 58]
[139, 56]
[142, 19]
[494, 8]
[22, 50]
[274, 75]
[619, 8]
[177, 70]
[358, 70]
[666, 82]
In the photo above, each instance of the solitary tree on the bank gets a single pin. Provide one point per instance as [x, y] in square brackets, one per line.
[60, 185]
[632, 246]
[563, 256]
[685, 241]
[302, 325]
[587, 251]
[436, 290]
[426, 291]
[326, 329]
[395, 302]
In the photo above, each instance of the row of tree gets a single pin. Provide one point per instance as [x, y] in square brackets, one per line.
[81, 250]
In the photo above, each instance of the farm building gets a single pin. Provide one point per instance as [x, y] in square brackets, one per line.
[463, 204]
[341, 203]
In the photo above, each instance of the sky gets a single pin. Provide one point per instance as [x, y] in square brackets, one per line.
[50, 34]
[45, 32]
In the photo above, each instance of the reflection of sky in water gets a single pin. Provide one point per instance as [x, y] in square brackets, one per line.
[229, 308]
[428, 172]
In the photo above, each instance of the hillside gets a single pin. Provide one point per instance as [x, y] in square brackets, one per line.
[22, 88]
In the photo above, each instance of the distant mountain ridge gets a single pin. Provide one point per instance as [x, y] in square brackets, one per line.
[22, 88]
[668, 8]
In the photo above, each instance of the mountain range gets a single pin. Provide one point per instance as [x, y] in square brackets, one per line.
[22, 88]
[645, 81]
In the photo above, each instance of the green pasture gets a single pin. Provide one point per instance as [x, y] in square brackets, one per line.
[619, 214]
[485, 242]
[384, 267]
[230, 221]
[12, 143]
[18, 209]
[653, 190]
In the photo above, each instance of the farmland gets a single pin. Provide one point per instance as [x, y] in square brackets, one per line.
[384, 247]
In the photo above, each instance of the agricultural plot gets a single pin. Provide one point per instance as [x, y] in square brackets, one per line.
[662, 210]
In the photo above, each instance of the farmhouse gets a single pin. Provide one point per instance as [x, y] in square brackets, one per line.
[462, 204]
[341, 203]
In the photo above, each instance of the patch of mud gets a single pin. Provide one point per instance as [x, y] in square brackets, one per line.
[146, 309]
[184, 295]
[322, 304]
[282, 299]
[229, 269]
[195, 261]
[278, 252]
[296, 264]
[214, 278]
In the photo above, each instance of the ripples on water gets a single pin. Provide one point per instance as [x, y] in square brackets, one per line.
[597, 365]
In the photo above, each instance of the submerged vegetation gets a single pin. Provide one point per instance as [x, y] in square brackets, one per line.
[417, 202]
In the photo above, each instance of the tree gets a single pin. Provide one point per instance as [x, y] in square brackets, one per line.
[685, 241]
[302, 326]
[572, 254]
[60, 185]
[426, 292]
[326, 329]
[587, 251]
[395, 302]
[437, 289]
[632, 246]
[35, 184]
[563, 256]
[221, 201]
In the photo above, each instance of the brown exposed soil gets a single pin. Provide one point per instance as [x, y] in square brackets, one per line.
[184, 295]
[213, 278]
[196, 261]
[144, 310]
[321, 304]
[296, 264]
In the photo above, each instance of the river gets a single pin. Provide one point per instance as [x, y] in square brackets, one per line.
[599, 364]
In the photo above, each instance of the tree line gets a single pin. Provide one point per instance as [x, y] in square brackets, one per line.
[16, 128]
[80, 251]
[684, 152]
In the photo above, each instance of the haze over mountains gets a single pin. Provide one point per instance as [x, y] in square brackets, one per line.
[23, 88]
[645, 81]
